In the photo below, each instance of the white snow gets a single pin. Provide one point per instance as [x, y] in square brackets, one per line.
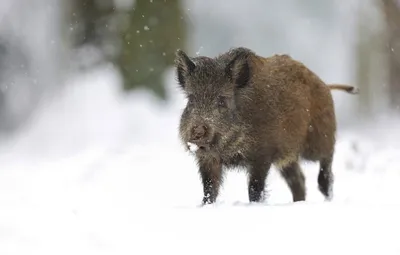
[192, 147]
[98, 172]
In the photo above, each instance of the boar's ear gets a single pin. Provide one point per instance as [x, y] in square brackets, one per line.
[238, 69]
[184, 67]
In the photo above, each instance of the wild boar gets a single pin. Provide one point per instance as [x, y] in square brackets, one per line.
[249, 111]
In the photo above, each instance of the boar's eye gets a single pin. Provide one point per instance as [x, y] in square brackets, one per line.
[190, 99]
[221, 101]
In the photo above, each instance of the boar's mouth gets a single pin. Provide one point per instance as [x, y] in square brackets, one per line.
[202, 146]
[198, 147]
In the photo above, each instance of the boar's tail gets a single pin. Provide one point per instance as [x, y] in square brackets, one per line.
[346, 88]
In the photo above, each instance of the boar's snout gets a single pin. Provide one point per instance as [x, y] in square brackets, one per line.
[198, 132]
[201, 135]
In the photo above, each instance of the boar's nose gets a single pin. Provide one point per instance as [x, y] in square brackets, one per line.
[198, 132]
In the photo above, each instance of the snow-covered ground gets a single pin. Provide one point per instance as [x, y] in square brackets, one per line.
[98, 172]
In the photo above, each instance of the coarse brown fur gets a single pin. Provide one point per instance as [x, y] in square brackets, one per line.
[252, 111]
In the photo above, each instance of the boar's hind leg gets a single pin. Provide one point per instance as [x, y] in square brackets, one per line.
[295, 179]
[257, 176]
[211, 175]
[325, 178]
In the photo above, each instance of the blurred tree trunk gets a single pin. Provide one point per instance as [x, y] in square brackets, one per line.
[156, 30]
[392, 17]
[143, 38]
[371, 61]
[364, 57]
[85, 19]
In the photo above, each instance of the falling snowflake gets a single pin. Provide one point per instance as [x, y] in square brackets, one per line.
[198, 52]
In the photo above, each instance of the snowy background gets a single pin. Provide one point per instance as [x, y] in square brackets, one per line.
[98, 171]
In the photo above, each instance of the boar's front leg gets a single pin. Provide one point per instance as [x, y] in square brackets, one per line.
[295, 179]
[211, 175]
[258, 173]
